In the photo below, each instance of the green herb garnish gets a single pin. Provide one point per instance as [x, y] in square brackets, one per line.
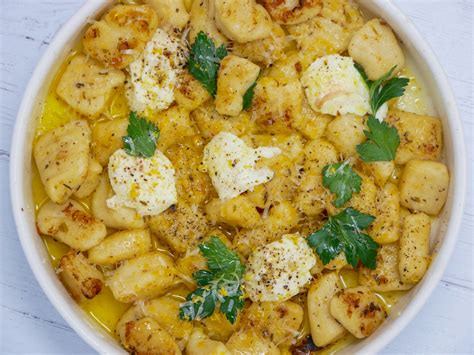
[342, 232]
[142, 137]
[204, 61]
[341, 180]
[382, 139]
[383, 89]
[222, 283]
[382, 142]
[248, 96]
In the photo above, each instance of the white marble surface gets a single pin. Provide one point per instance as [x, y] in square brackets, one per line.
[29, 324]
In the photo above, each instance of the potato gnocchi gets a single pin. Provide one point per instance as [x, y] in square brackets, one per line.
[270, 148]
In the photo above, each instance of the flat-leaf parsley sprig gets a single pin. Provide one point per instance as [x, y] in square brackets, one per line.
[382, 142]
[204, 61]
[383, 89]
[248, 96]
[141, 137]
[221, 284]
[382, 139]
[343, 233]
[342, 181]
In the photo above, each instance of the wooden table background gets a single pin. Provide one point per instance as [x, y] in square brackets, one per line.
[28, 322]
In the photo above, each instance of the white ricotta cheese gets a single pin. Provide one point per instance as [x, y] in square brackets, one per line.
[232, 165]
[154, 76]
[334, 86]
[278, 271]
[145, 184]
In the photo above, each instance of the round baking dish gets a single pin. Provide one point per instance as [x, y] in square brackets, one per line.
[24, 211]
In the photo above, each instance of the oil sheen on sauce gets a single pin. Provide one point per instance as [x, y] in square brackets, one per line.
[104, 308]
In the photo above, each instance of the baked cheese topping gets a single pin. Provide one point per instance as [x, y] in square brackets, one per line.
[334, 86]
[277, 271]
[154, 76]
[232, 165]
[145, 184]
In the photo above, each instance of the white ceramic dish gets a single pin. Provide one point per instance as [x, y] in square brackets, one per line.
[24, 211]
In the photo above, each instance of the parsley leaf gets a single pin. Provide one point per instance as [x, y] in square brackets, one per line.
[222, 283]
[204, 61]
[231, 307]
[248, 96]
[382, 139]
[362, 73]
[382, 90]
[342, 232]
[142, 137]
[219, 258]
[392, 88]
[199, 304]
[341, 180]
[203, 277]
[382, 142]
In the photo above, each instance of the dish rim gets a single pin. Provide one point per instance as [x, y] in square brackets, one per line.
[72, 313]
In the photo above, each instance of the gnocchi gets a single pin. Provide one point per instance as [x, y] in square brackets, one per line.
[189, 93]
[71, 224]
[229, 20]
[120, 218]
[199, 343]
[163, 310]
[147, 276]
[107, 138]
[358, 310]
[218, 327]
[119, 37]
[87, 86]
[324, 327]
[386, 228]
[120, 246]
[239, 211]
[201, 20]
[335, 223]
[278, 322]
[179, 227]
[386, 276]
[236, 76]
[277, 103]
[424, 186]
[248, 342]
[291, 13]
[62, 158]
[91, 181]
[172, 14]
[210, 122]
[328, 33]
[145, 336]
[265, 51]
[345, 132]
[376, 48]
[420, 136]
[281, 219]
[414, 247]
[81, 278]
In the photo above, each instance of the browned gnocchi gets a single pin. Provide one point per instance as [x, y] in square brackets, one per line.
[229, 184]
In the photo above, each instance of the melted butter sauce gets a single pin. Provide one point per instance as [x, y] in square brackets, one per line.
[348, 279]
[415, 98]
[56, 112]
[103, 308]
